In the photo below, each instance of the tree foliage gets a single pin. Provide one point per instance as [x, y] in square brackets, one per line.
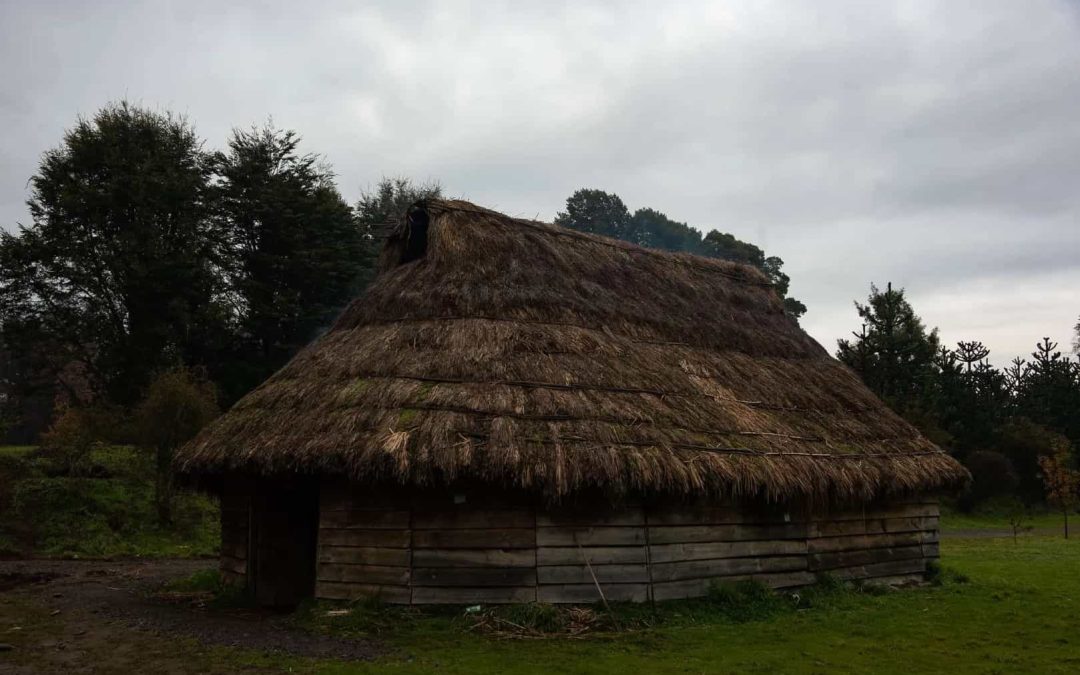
[1062, 481]
[893, 352]
[292, 249]
[117, 267]
[605, 214]
[1001, 423]
[378, 210]
[178, 403]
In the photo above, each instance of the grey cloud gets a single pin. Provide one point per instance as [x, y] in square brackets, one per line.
[933, 144]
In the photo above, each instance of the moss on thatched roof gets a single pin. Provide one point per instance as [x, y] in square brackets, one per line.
[519, 353]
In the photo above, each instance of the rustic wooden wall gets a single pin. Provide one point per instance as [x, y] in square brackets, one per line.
[485, 548]
[235, 532]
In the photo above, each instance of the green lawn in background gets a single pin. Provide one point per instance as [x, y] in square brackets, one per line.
[108, 511]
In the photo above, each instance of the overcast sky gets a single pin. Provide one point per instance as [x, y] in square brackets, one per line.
[934, 145]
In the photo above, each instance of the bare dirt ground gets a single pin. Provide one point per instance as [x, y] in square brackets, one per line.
[112, 616]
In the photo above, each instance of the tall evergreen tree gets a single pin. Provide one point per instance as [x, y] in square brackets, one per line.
[894, 353]
[116, 268]
[293, 246]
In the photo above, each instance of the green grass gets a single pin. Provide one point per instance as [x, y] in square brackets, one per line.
[996, 517]
[107, 513]
[1001, 607]
[1016, 614]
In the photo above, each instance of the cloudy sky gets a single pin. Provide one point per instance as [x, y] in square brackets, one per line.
[934, 145]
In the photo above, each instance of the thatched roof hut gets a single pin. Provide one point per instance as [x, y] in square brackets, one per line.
[517, 356]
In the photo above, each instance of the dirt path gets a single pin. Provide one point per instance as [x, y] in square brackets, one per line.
[101, 616]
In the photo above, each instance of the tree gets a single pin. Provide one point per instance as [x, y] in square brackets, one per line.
[894, 354]
[1076, 338]
[596, 212]
[293, 249]
[1048, 390]
[1062, 481]
[378, 211]
[599, 212]
[117, 266]
[177, 405]
[1024, 443]
[992, 476]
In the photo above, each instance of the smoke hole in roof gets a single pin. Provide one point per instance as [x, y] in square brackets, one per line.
[416, 235]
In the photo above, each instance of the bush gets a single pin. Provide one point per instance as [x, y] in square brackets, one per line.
[992, 475]
[178, 404]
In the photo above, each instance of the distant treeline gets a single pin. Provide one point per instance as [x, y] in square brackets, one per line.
[603, 213]
[1005, 425]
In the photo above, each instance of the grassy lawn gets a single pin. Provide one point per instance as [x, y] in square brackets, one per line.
[997, 518]
[107, 512]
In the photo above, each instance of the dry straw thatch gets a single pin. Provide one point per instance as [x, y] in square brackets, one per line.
[517, 353]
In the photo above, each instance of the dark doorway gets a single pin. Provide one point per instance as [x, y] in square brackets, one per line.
[285, 519]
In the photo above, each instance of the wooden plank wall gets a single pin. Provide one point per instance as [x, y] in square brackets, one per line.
[364, 545]
[468, 549]
[235, 533]
[889, 542]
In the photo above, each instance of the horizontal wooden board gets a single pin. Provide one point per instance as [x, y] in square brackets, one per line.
[472, 519]
[365, 519]
[364, 538]
[473, 576]
[233, 578]
[475, 557]
[591, 518]
[596, 555]
[233, 565]
[931, 550]
[364, 555]
[887, 511]
[678, 534]
[330, 590]
[477, 538]
[871, 526]
[884, 569]
[726, 549]
[432, 595]
[362, 574]
[859, 542]
[697, 569]
[587, 593]
[693, 588]
[346, 497]
[828, 561]
[718, 515]
[590, 536]
[581, 574]
[234, 548]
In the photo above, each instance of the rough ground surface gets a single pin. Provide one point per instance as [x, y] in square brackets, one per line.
[74, 608]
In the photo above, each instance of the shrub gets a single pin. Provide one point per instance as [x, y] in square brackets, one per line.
[992, 475]
[178, 404]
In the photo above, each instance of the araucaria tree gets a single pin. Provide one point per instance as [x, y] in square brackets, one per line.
[1013, 428]
[893, 352]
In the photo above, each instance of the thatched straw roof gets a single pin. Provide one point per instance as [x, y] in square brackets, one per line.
[522, 354]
